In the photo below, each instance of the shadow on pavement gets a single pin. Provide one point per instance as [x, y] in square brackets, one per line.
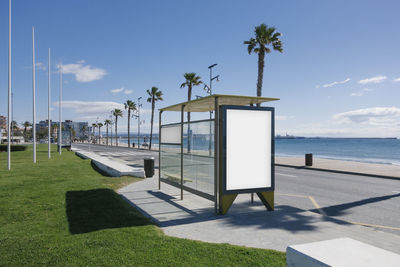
[98, 209]
[242, 214]
[341, 209]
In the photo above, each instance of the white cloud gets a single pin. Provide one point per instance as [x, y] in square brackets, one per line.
[90, 109]
[368, 90]
[128, 92]
[118, 90]
[357, 94]
[83, 73]
[396, 80]
[376, 79]
[40, 66]
[376, 116]
[335, 83]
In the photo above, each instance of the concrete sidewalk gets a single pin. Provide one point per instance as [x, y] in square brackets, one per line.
[245, 224]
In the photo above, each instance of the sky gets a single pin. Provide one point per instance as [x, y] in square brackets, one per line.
[338, 76]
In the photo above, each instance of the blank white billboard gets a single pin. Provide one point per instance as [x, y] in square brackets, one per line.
[171, 134]
[248, 149]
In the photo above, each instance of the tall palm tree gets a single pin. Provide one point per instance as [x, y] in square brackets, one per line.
[154, 95]
[14, 127]
[129, 105]
[99, 125]
[191, 80]
[26, 125]
[264, 36]
[84, 128]
[94, 125]
[107, 123]
[116, 113]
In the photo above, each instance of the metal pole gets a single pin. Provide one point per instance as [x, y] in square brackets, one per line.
[209, 142]
[12, 118]
[9, 90]
[48, 104]
[216, 155]
[34, 95]
[59, 112]
[139, 122]
[159, 150]
[182, 113]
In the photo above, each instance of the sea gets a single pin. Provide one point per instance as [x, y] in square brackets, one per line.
[369, 150]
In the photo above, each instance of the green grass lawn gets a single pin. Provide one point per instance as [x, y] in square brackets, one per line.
[61, 212]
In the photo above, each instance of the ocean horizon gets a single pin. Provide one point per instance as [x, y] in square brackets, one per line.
[368, 150]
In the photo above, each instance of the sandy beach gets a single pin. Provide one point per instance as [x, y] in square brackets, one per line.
[341, 165]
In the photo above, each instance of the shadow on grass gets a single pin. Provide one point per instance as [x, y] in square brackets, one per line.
[98, 209]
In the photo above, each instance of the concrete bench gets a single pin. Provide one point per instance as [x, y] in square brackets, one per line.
[111, 167]
[339, 252]
[175, 178]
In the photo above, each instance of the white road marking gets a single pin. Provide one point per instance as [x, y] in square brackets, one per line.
[283, 174]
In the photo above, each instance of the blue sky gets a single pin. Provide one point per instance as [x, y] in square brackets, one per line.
[338, 76]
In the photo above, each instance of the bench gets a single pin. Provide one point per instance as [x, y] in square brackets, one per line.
[175, 178]
[339, 252]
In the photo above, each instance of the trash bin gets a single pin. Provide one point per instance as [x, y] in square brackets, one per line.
[309, 159]
[149, 166]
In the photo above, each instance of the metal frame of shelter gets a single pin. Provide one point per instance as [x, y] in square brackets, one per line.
[218, 103]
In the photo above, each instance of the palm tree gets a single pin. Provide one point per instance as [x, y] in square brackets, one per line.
[129, 105]
[107, 123]
[84, 128]
[191, 80]
[99, 125]
[94, 125]
[14, 127]
[154, 95]
[264, 36]
[26, 125]
[116, 113]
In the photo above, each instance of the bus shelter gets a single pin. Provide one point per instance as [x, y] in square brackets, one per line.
[218, 158]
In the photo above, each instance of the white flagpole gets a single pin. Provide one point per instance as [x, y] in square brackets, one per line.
[59, 111]
[34, 95]
[48, 104]
[9, 90]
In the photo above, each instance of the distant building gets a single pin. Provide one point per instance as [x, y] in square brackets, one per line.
[78, 129]
[3, 122]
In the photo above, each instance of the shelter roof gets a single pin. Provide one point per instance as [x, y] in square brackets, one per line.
[207, 103]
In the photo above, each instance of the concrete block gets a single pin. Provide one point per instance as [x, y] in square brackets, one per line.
[111, 167]
[339, 252]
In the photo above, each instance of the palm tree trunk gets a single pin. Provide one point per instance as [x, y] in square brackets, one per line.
[152, 118]
[129, 127]
[116, 130]
[260, 73]
[99, 135]
[107, 134]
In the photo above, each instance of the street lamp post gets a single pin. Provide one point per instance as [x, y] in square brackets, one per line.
[209, 91]
[138, 117]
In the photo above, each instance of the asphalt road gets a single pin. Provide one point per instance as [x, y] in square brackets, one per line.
[369, 201]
